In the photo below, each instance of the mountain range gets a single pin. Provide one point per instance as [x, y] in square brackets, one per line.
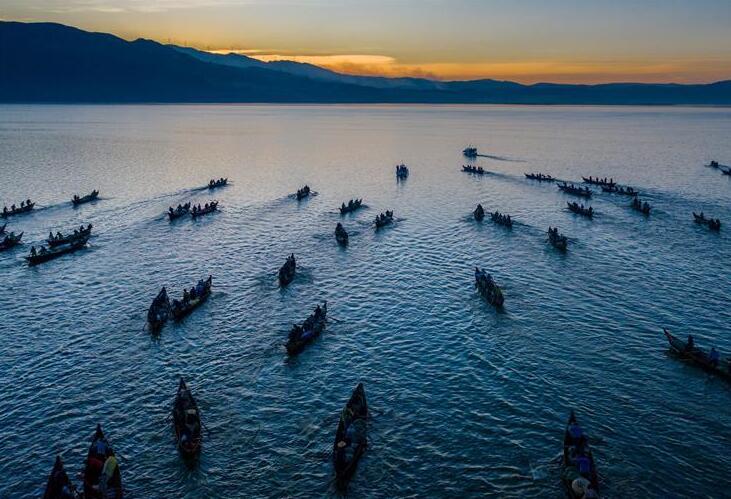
[54, 63]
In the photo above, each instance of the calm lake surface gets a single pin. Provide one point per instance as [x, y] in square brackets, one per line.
[465, 400]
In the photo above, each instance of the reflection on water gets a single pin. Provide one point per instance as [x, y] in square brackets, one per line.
[465, 399]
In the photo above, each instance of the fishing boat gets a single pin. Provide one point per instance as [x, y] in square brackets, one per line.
[300, 336]
[23, 208]
[578, 471]
[488, 288]
[341, 235]
[712, 223]
[599, 181]
[179, 211]
[583, 192]
[479, 213]
[186, 421]
[45, 255]
[539, 177]
[402, 171]
[384, 219]
[558, 241]
[287, 271]
[221, 182]
[78, 234]
[470, 152]
[76, 200]
[59, 486]
[642, 207]
[618, 189]
[502, 219]
[477, 170]
[10, 240]
[713, 164]
[352, 205]
[159, 312]
[102, 478]
[191, 300]
[303, 193]
[580, 209]
[197, 211]
[698, 357]
[351, 437]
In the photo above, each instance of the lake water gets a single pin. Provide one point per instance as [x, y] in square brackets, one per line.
[465, 400]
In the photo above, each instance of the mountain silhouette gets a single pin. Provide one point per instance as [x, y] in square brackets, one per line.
[46, 62]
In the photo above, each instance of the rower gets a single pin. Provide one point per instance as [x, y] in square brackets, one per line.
[32, 251]
[714, 357]
[50, 236]
[690, 344]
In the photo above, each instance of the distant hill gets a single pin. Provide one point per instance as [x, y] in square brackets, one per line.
[44, 62]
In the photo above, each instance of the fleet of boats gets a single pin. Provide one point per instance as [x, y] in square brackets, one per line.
[102, 477]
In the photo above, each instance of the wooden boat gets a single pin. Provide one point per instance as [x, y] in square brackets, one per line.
[477, 170]
[303, 193]
[502, 219]
[642, 207]
[488, 289]
[70, 238]
[470, 152]
[10, 241]
[402, 171]
[583, 192]
[287, 271]
[618, 189]
[698, 357]
[76, 200]
[102, 478]
[727, 171]
[181, 308]
[341, 235]
[558, 241]
[59, 486]
[17, 211]
[179, 211]
[581, 210]
[713, 224]
[384, 219]
[186, 421]
[539, 177]
[713, 164]
[352, 205]
[351, 437]
[479, 213]
[311, 328]
[217, 183]
[598, 181]
[578, 471]
[159, 312]
[41, 257]
[212, 206]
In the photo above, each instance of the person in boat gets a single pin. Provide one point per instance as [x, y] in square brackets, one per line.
[12, 208]
[32, 251]
[714, 357]
[43, 250]
[690, 344]
[50, 236]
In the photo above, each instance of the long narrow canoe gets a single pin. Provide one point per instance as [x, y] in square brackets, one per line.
[50, 255]
[76, 200]
[351, 437]
[102, 478]
[10, 241]
[698, 357]
[578, 471]
[17, 211]
[59, 486]
[311, 328]
[186, 421]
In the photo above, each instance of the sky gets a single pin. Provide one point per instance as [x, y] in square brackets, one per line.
[571, 41]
